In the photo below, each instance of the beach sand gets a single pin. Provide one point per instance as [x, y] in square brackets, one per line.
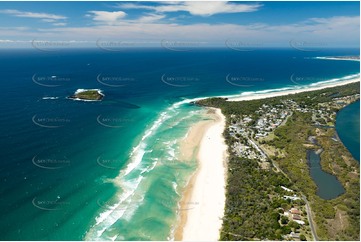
[255, 96]
[203, 201]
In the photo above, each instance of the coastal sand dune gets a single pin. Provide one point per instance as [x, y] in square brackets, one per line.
[255, 96]
[203, 202]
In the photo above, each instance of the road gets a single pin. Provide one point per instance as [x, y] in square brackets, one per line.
[309, 216]
[308, 208]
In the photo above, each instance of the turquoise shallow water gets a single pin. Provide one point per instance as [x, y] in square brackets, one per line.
[145, 206]
[109, 170]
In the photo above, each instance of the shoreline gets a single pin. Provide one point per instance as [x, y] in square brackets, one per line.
[255, 96]
[336, 58]
[203, 200]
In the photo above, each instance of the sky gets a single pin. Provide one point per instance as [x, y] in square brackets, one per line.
[327, 24]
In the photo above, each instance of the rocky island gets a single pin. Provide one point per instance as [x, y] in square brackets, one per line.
[87, 95]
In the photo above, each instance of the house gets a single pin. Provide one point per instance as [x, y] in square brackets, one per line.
[293, 198]
[286, 189]
[296, 217]
[300, 222]
[295, 211]
[294, 235]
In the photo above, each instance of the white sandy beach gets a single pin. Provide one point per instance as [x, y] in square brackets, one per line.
[336, 58]
[255, 96]
[206, 198]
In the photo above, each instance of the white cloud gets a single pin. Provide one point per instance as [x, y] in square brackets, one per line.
[337, 26]
[107, 17]
[18, 13]
[118, 18]
[48, 20]
[339, 21]
[196, 8]
[334, 31]
[23, 28]
[45, 17]
[7, 41]
[150, 18]
[59, 24]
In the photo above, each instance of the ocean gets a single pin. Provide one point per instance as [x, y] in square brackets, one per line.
[108, 170]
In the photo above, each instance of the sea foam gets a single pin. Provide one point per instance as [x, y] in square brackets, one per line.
[134, 168]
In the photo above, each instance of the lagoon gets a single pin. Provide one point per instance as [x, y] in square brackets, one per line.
[328, 187]
[348, 128]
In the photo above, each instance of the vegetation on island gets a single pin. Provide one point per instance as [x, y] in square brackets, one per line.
[267, 143]
[91, 95]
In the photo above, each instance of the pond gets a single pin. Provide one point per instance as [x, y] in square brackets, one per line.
[328, 185]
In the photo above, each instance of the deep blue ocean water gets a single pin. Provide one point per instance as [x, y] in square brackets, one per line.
[73, 170]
